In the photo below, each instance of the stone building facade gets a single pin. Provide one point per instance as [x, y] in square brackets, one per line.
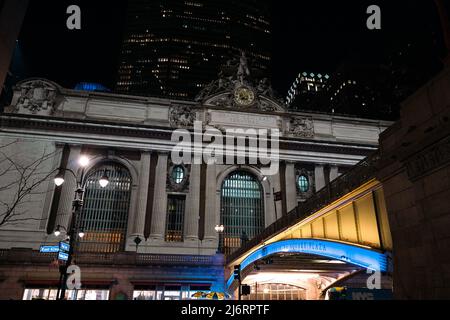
[152, 231]
[415, 172]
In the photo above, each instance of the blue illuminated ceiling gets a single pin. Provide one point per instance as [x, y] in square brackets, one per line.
[88, 86]
[359, 256]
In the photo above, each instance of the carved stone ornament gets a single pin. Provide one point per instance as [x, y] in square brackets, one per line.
[208, 125]
[181, 116]
[224, 101]
[172, 185]
[299, 171]
[267, 106]
[301, 127]
[428, 160]
[37, 96]
[237, 88]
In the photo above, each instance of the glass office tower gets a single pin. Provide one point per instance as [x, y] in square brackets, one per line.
[174, 48]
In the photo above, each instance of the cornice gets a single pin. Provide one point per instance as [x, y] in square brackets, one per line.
[26, 123]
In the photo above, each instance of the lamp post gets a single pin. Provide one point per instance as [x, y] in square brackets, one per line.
[74, 232]
[63, 269]
[220, 229]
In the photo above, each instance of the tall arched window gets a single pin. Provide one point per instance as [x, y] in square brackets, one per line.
[105, 210]
[242, 209]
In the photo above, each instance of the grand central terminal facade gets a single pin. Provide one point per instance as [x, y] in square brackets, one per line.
[159, 228]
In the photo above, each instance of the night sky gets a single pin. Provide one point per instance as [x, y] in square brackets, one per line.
[311, 36]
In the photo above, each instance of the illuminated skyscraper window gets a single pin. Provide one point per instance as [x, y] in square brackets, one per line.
[171, 46]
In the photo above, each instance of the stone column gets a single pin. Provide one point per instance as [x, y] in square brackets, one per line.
[51, 187]
[276, 188]
[334, 173]
[270, 203]
[192, 214]
[319, 177]
[160, 200]
[291, 190]
[142, 191]
[68, 190]
[211, 216]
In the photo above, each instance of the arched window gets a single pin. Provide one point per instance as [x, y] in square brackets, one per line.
[105, 210]
[242, 209]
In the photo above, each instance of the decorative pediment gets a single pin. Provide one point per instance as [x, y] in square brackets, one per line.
[36, 96]
[236, 88]
[227, 100]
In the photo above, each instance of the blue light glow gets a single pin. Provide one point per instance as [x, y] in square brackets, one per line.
[87, 86]
[355, 255]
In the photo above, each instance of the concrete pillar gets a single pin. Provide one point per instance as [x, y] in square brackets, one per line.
[312, 292]
[334, 173]
[291, 190]
[192, 214]
[211, 215]
[142, 191]
[269, 207]
[276, 188]
[160, 200]
[319, 177]
[68, 190]
[51, 187]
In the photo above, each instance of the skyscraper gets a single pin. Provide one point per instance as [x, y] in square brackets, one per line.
[11, 17]
[175, 47]
[305, 90]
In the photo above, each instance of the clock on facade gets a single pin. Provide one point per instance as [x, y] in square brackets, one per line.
[244, 96]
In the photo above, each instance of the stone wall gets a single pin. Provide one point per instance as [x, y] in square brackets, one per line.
[415, 172]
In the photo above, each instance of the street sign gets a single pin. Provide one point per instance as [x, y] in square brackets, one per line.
[63, 256]
[49, 249]
[64, 246]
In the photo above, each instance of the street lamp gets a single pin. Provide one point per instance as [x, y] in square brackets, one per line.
[57, 231]
[77, 204]
[104, 180]
[81, 234]
[220, 229]
[59, 179]
[83, 161]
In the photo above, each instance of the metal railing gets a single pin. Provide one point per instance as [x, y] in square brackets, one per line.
[33, 257]
[354, 178]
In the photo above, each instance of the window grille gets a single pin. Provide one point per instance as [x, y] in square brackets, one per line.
[303, 183]
[175, 218]
[105, 210]
[178, 174]
[242, 209]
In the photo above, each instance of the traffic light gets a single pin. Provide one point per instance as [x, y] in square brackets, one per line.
[237, 272]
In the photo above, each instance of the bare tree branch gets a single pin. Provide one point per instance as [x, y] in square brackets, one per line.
[20, 181]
